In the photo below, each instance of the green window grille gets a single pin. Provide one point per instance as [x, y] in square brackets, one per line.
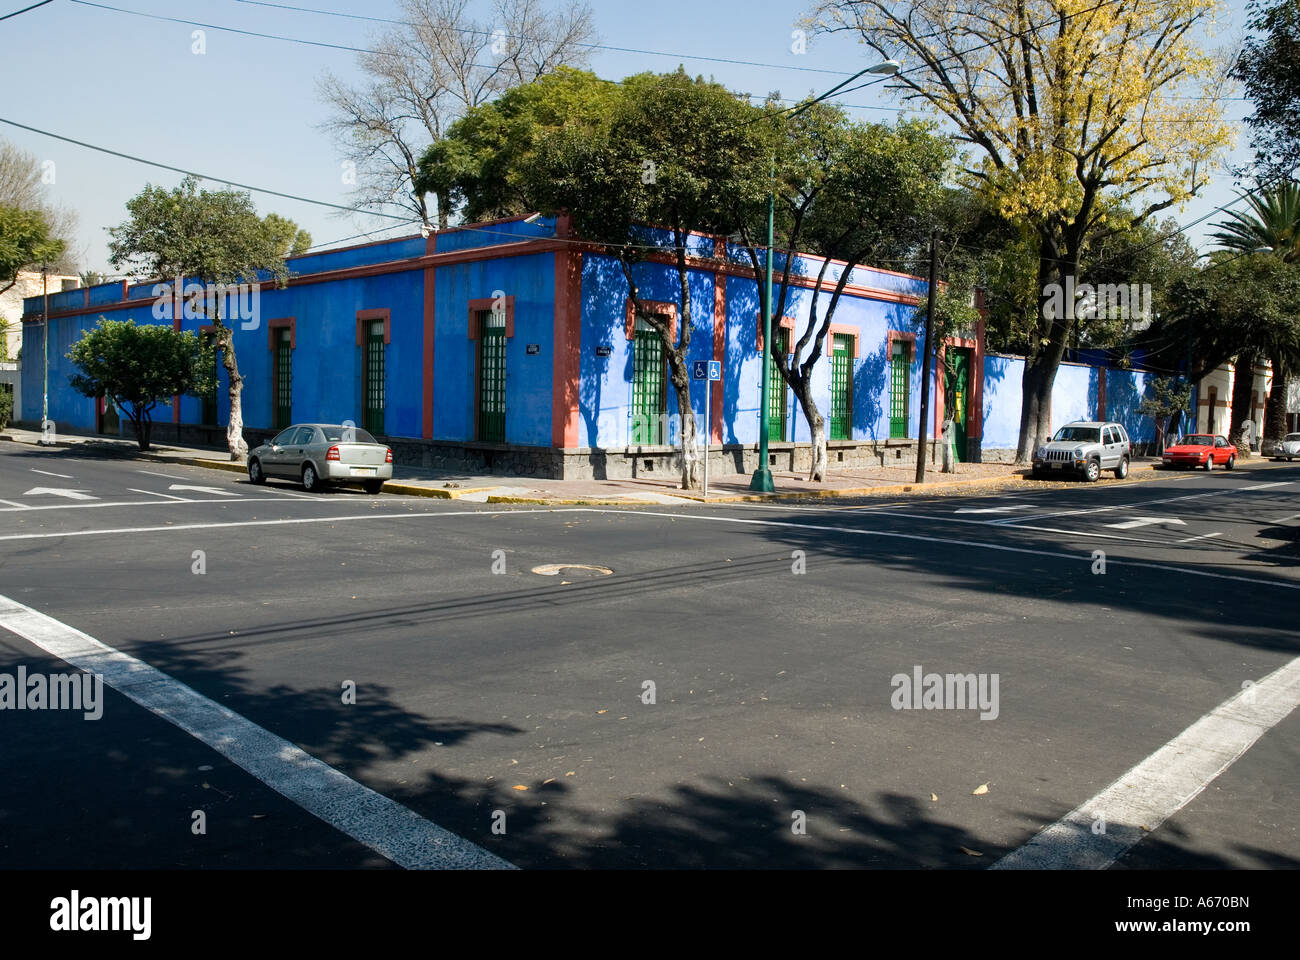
[372, 386]
[649, 397]
[776, 412]
[282, 388]
[841, 387]
[899, 375]
[492, 376]
[209, 413]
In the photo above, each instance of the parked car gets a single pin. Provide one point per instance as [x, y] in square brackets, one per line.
[1288, 448]
[1200, 450]
[1086, 447]
[319, 454]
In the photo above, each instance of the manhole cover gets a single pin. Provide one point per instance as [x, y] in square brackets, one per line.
[572, 570]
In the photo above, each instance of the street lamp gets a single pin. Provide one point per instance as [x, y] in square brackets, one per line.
[761, 481]
[45, 353]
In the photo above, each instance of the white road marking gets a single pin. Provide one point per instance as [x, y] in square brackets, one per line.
[132, 503]
[1162, 784]
[1290, 516]
[1204, 536]
[1018, 506]
[1265, 486]
[1016, 521]
[215, 491]
[62, 476]
[155, 493]
[168, 476]
[14, 503]
[59, 492]
[383, 825]
[1146, 522]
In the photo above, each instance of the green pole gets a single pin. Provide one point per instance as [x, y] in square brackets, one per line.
[761, 482]
[45, 351]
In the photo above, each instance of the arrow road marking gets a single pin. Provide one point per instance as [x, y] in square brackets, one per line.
[61, 476]
[215, 491]
[155, 493]
[1145, 522]
[59, 492]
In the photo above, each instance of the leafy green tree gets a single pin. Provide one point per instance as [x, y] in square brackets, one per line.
[6, 407]
[212, 236]
[25, 239]
[1269, 68]
[481, 166]
[137, 367]
[1165, 399]
[677, 152]
[847, 191]
[1272, 226]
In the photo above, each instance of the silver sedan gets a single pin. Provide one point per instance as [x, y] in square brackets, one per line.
[1288, 447]
[319, 454]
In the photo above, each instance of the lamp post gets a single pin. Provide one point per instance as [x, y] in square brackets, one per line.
[45, 352]
[761, 481]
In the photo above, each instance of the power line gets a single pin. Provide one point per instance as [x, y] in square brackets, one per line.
[25, 9]
[201, 176]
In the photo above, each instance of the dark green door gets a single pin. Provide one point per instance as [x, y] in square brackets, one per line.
[841, 387]
[776, 387]
[209, 412]
[372, 385]
[649, 386]
[282, 387]
[899, 377]
[492, 377]
[956, 397]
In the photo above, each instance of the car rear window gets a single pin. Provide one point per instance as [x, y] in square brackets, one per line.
[353, 435]
[1199, 440]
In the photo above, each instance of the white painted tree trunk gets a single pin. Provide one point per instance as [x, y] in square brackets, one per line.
[235, 426]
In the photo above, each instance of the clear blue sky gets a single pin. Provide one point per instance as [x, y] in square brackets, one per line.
[247, 111]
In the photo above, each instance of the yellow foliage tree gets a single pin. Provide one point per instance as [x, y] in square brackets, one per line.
[1075, 110]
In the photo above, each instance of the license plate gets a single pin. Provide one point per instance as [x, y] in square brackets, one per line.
[363, 471]
[1057, 465]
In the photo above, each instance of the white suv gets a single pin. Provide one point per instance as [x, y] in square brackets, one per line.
[1086, 447]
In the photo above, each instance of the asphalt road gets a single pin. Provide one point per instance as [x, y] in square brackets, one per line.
[771, 634]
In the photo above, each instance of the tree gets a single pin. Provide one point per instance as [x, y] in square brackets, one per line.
[214, 237]
[848, 191]
[1272, 226]
[1166, 398]
[24, 184]
[135, 368]
[1269, 68]
[92, 278]
[1073, 110]
[25, 239]
[6, 407]
[680, 153]
[480, 168]
[427, 71]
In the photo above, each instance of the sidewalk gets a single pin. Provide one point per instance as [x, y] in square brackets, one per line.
[489, 488]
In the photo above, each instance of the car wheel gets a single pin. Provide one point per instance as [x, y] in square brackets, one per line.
[255, 474]
[311, 481]
[1209, 463]
[374, 486]
[1122, 470]
[1232, 462]
[1092, 471]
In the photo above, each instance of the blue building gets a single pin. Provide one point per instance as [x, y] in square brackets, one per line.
[510, 347]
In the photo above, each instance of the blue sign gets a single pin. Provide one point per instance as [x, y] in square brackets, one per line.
[706, 370]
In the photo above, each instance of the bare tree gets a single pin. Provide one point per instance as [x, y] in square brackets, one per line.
[23, 185]
[425, 73]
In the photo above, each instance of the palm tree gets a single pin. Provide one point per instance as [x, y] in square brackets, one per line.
[1272, 228]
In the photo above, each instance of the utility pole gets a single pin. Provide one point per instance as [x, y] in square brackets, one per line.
[45, 353]
[925, 360]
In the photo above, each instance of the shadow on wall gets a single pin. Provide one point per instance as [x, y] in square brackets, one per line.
[870, 394]
[600, 287]
[742, 302]
[1124, 398]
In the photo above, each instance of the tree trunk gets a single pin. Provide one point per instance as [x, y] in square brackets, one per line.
[692, 464]
[143, 427]
[1275, 407]
[235, 426]
[1243, 384]
[816, 429]
[1055, 320]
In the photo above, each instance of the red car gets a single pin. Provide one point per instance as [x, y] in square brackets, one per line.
[1201, 450]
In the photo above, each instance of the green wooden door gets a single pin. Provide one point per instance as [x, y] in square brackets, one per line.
[372, 385]
[649, 386]
[899, 390]
[282, 388]
[841, 387]
[492, 377]
[776, 411]
[956, 397]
